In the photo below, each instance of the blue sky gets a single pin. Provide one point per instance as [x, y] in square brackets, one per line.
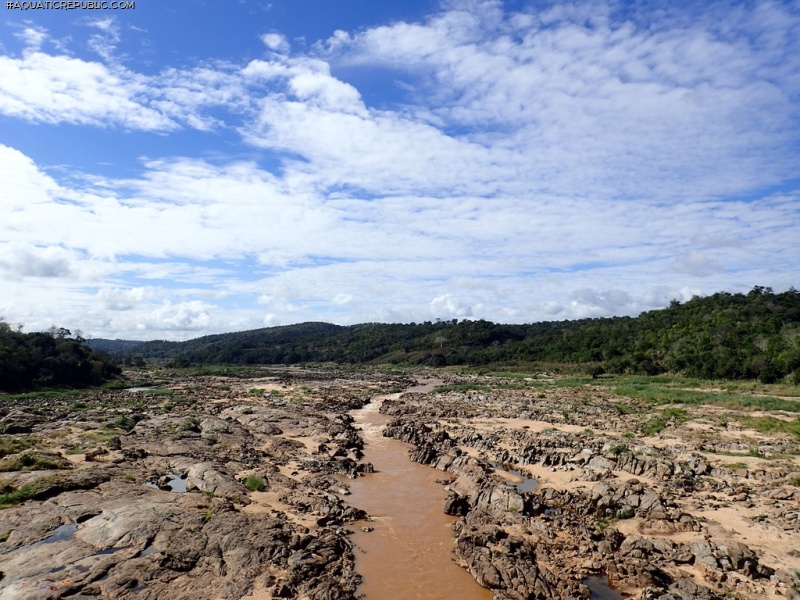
[184, 168]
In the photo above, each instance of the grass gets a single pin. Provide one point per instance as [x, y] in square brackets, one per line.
[44, 394]
[254, 483]
[11, 445]
[771, 425]
[653, 426]
[124, 422]
[624, 409]
[157, 392]
[31, 461]
[191, 424]
[736, 465]
[10, 498]
[659, 392]
[461, 387]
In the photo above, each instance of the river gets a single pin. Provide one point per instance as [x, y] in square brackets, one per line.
[409, 554]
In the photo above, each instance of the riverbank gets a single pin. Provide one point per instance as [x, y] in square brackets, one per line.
[257, 486]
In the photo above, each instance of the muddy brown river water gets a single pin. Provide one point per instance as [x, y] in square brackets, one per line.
[409, 554]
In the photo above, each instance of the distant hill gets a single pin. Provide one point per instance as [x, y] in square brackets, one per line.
[111, 346]
[729, 336]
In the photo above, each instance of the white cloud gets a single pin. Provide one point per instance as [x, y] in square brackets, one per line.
[121, 299]
[104, 43]
[22, 260]
[342, 299]
[33, 37]
[185, 316]
[275, 42]
[53, 89]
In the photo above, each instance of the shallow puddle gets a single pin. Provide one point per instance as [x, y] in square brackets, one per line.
[61, 534]
[174, 482]
[600, 589]
[409, 553]
[525, 483]
[151, 549]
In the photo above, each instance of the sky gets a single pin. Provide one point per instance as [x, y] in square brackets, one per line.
[174, 169]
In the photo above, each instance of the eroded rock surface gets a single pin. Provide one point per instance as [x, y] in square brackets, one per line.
[237, 487]
[207, 487]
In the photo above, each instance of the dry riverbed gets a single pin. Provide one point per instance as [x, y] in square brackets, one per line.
[238, 487]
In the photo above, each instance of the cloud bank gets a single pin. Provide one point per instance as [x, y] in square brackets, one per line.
[554, 163]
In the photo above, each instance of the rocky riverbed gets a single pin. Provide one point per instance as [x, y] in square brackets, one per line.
[236, 486]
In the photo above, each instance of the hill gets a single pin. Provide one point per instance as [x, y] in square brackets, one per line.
[729, 336]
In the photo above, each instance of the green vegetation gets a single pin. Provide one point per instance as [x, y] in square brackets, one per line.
[11, 497]
[771, 425]
[464, 387]
[33, 461]
[660, 390]
[43, 394]
[677, 414]
[124, 422]
[49, 359]
[723, 336]
[736, 465]
[254, 483]
[653, 427]
[191, 424]
[619, 449]
[13, 445]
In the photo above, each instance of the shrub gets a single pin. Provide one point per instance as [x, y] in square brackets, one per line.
[124, 422]
[191, 424]
[254, 483]
[653, 427]
[16, 496]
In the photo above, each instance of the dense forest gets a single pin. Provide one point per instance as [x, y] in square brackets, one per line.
[727, 336]
[49, 359]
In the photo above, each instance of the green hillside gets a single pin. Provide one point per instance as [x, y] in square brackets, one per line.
[728, 336]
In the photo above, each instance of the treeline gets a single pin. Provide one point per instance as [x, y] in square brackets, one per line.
[728, 336]
[50, 359]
